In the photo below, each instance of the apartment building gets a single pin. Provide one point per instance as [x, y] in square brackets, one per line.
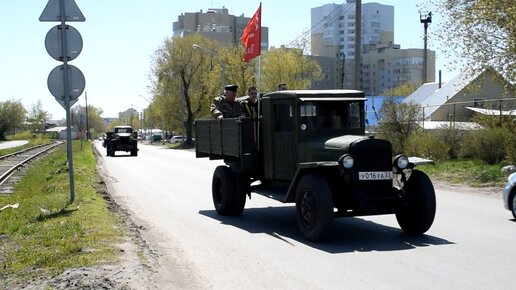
[216, 24]
[384, 65]
[387, 66]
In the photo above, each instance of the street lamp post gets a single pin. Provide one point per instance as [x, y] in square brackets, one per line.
[222, 64]
[151, 119]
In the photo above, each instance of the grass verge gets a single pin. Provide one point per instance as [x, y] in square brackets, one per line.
[474, 173]
[47, 234]
[38, 140]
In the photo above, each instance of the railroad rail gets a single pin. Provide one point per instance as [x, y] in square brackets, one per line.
[9, 163]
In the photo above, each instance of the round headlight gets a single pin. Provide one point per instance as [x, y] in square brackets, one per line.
[347, 161]
[402, 162]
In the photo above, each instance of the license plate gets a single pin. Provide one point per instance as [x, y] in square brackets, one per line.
[375, 175]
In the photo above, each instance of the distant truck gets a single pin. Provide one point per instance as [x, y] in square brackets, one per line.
[309, 148]
[123, 138]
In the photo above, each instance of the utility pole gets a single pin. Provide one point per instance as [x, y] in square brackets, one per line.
[87, 125]
[358, 42]
[426, 19]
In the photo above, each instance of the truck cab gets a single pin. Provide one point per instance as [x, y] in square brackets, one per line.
[309, 147]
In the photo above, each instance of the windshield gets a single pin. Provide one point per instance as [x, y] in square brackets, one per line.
[123, 130]
[330, 115]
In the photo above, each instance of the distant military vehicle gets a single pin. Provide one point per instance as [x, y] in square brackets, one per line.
[121, 139]
[309, 147]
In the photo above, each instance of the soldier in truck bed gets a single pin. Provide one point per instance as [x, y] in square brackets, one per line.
[250, 103]
[226, 106]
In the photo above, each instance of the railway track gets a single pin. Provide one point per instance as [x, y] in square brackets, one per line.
[10, 163]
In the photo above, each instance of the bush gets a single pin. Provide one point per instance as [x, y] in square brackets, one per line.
[427, 145]
[453, 138]
[510, 146]
[485, 144]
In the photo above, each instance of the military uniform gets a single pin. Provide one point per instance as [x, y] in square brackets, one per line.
[250, 108]
[228, 109]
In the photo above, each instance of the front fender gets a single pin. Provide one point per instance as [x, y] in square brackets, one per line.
[302, 169]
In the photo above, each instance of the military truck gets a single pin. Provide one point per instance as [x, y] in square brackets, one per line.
[309, 147]
[121, 139]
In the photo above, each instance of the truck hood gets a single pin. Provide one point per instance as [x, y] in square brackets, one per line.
[124, 135]
[324, 149]
[342, 142]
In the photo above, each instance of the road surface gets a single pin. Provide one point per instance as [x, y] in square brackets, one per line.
[471, 245]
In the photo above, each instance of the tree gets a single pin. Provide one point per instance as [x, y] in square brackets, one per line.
[480, 33]
[12, 116]
[284, 65]
[402, 90]
[180, 95]
[37, 117]
[397, 121]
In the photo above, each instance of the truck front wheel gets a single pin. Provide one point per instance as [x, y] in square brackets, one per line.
[314, 207]
[418, 215]
[227, 199]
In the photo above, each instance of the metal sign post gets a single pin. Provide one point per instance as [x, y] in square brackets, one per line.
[65, 82]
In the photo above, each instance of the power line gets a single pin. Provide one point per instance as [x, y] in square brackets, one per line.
[328, 19]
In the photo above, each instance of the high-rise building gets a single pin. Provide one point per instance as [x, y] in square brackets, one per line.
[333, 35]
[385, 67]
[216, 24]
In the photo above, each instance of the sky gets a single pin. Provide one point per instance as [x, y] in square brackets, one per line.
[120, 38]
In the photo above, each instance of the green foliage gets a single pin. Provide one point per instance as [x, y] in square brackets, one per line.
[95, 121]
[401, 90]
[479, 33]
[452, 138]
[505, 126]
[287, 65]
[12, 116]
[396, 122]
[427, 145]
[37, 118]
[46, 234]
[484, 144]
[183, 84]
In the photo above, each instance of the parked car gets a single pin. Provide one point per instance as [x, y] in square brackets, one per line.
[177, 139]
[509, 193]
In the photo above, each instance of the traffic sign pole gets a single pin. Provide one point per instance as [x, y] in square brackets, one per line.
[72, 78]
[67, 101]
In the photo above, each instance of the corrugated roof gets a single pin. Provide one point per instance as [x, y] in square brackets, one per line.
[490, 112]
[440, 96]
[423, 92]
[431, 125]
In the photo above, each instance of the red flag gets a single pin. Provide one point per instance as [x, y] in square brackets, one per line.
[252, 36]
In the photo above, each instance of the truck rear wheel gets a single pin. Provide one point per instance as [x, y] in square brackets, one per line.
[228, 198]
[314, 207]
[417, 217]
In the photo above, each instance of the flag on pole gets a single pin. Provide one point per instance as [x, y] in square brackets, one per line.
[252, 36]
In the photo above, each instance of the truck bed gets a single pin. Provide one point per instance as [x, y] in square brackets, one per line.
[231, 139]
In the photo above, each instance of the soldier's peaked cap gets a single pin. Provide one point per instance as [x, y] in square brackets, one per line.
[231, 87]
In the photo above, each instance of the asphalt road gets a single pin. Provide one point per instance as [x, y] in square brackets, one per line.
[471, 245]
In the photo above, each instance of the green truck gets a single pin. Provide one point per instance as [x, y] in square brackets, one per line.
[122, 138]
[309, 147]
